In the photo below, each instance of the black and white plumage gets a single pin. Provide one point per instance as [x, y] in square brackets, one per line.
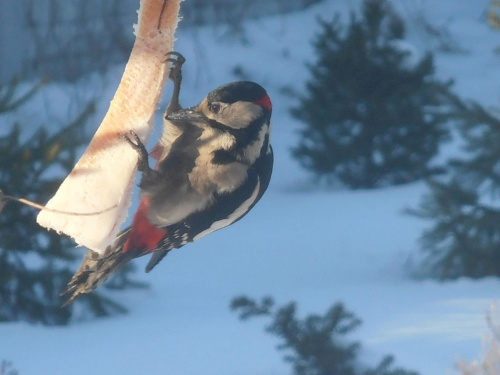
[214, 163]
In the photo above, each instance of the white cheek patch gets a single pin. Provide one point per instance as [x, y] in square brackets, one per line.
[239, 114]
[239, 212]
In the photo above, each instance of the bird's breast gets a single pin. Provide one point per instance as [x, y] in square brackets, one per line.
[208, 177]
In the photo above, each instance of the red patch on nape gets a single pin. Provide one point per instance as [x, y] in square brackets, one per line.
[143, 235]
[264, 101]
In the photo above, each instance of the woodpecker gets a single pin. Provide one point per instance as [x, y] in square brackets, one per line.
[214, 163]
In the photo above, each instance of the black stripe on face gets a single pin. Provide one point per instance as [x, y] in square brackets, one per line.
[244, 137]
[223, 157]
[250, 134]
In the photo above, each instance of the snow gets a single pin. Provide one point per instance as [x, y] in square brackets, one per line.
[300, 243]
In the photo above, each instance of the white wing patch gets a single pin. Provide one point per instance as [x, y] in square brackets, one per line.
[239, 212]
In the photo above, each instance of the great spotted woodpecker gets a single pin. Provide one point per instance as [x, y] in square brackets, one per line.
[214, 163]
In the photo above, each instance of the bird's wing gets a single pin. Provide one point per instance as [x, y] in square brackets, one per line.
[225, 210]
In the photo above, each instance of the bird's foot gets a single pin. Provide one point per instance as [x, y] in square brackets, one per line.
[137, 145]
[175, 75]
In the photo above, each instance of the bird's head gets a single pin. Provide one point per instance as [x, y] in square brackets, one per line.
[233, 106]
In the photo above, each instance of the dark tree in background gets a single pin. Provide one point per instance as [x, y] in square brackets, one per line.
[315, 345]
[369, 114]
[36, 264]
[464, 239]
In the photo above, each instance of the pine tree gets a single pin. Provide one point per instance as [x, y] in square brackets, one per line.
[316, 344]
[370, 115]
[35, 264]
[464, 239]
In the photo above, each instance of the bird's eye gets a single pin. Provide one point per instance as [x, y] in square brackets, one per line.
[215, 108]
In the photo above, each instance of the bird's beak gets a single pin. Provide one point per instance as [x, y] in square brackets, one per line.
[192, 115]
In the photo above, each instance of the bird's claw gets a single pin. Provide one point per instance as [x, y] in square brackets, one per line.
[180, 59]
[175, 73]
[137, 145]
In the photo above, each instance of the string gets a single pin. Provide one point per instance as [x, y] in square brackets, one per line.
[5, 198]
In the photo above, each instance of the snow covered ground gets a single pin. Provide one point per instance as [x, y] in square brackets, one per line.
[313, 246]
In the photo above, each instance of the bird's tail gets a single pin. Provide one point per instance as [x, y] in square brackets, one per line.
[96, 268]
